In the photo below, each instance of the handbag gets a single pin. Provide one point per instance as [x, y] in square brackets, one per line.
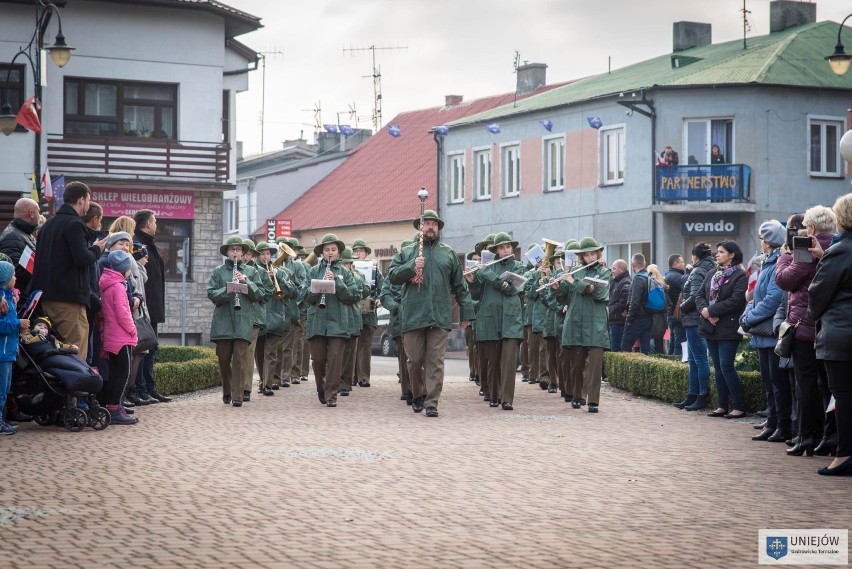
[762, 328]
[676, 308]
[146, 337]
[786, 333]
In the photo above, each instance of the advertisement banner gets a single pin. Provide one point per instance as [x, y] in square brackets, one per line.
[165, 204]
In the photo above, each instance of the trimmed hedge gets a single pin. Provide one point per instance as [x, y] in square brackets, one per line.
[667, 379]
[182, 369]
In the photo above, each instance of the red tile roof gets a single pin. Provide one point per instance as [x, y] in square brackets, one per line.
[379, 181]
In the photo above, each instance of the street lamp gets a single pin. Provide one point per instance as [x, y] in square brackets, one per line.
[839, 60]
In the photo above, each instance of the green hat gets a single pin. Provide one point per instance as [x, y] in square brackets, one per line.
[294, 243]
[360, 244]
[232, 241]
[429, 214]
[531, 245]
[572, 245]
[347, 256]
[470, 255]
[284, 240]
[501, 239]
[263, 246]
[588, 245]
[488, 240]
[326, 239]
[301, 251]
[250, 245]
[558, 254]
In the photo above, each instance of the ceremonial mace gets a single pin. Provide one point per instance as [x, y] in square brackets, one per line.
[422, 195]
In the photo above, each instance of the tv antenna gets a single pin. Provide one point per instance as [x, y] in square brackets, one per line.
[516, 64]
[746, 24]
[353, 115]
[377, 79]
[274, 52]
[317, 110]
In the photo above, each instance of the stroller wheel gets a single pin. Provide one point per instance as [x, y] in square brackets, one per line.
[75, 419]
[99, 420]
[44, 420]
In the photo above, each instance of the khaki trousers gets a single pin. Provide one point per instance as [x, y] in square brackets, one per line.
[70, 322]
[538, 366]
[483, 369]
[272, 354]
[542, 360]
[327, 354]
[248, 364]
[402, 360]
[502, 358]
[303, 365]
[425, 349]
[347, 372]
[525, 352]
[588, 364]
[364, 353]
[259, 359]
[552, 360]
[232, 355]
[489, 379]
[566, 368]
[470, 342]
[298, 349]
[287, 349]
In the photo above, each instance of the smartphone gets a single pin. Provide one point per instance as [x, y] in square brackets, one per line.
[800, 250]
[791, 232]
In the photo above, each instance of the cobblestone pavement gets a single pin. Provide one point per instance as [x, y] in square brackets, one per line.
[285, 482]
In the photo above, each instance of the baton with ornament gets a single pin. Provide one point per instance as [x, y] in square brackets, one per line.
[421, 195]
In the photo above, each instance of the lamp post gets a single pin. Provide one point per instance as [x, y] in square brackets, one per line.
[60, 53]
[839, 60]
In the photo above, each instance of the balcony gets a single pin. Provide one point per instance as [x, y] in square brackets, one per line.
[710, 183]
[142, 158]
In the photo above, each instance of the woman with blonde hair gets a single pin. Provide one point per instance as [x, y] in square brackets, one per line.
[658, 327]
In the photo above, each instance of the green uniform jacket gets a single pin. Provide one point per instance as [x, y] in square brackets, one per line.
[536, 303]
[552, 307]
[429, 304]
[530, 275]
[499, 314]
[296, 306]
[264, 284]
[586, 321]
[333, 320]
[278, 310]
[390, 297]
[227, 323]
[357, 318]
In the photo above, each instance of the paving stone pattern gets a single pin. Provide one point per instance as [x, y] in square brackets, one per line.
[286, 482]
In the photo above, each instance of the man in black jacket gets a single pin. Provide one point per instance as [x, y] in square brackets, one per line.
[18, 235]
[155, 301]
[62, 267]
[619, 294]
[674, 280]
[639, 321]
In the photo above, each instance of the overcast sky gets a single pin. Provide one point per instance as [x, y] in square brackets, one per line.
[462, 47]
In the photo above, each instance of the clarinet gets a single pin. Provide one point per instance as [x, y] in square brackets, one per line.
[236, 294]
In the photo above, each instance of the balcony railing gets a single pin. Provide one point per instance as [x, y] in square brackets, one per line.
[703, 182]
[142, 158]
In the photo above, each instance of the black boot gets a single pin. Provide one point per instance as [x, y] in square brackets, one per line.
[690, 399]
[701, 402]
[780, 435]
[763, 435]
[827, 447]
[804, 446]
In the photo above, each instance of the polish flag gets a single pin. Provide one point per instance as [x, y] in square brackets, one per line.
[46, 185]
[27, 259]
[27, 116]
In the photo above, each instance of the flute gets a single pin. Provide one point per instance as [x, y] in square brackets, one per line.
[489, 263]
[563, 275]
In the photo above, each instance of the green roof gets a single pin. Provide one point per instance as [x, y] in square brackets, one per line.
[792, 57]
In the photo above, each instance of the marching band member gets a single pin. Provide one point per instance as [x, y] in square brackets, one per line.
[390, 296]
[469, 335]
[535, 304]
[291, 341]
[553, 321]
[369, 316]
[481, 361]
[350, 349]
[277, 322]
[264, 284]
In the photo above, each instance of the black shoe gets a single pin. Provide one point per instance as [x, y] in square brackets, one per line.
[486, 398]
[285, 383]
[764, 413]
[246, 395]
[763, 435]
[568, 398]
[476, 380]
[123, 401]
[481, 393]
[780, 435]
[321, 397]
[133, 398]
[295, 381]
[303, 378]
[593, 408]
[827, 447]
[760, 426]
[575, 404]
[275, 386]
[525, 378]
[363, 383]
[715, 413]
[543, 383]
[700, 403]
[804, 446]
[431, 411]
[689, 400]
[237, 403]
[160, 397]
[344, 393]
[533, 381]
[843, 469]
[417, 404]
[472, 377]
[552, 388]
[792, 442]
[226, 399]
[403, 397]
[493, 404]
[507, 406]
[331, 403]
[266, 391]
[147, 399]
[409, 399]
[582, 401]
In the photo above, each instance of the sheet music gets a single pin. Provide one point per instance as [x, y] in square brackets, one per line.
[535, 255]
[367, 269]
[319, 286]
[232, 288]
[486, 256]
[594, 281]
[514, 278]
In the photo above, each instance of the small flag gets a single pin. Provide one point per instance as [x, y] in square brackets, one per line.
[493, 128]
[33, 189]
[595, 122]
[31, 304]
[27, 259]
[330, 127]
[28, 115]
[346, 130]
[46, 185]
[548, 125]
[753, 270]
[394, 130]
[59, 189]
[441, 129]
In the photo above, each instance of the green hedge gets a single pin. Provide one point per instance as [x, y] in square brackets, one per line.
[668, 379]
[182, 369]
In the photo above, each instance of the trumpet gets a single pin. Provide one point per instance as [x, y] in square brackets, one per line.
[279, 294]
[321, 303]
[563, 275]
[236, 294]
[284, 252]
[489, 263]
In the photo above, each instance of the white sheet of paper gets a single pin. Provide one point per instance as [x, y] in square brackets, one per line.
[535, 255]
[232, 288]
[517, 280]
[319, 286]
[471, 263]
[486, 256]
[594, 281]
[830, 407]
[570, 258]
[366, 269]
[685, 348]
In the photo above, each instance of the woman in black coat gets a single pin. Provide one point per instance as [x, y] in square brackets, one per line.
[720, 303]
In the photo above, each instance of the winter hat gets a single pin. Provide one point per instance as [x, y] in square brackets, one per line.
[41, 320]
[114, 238]
[139, 251]
[119, 261]
[6, 271]
[772, 233]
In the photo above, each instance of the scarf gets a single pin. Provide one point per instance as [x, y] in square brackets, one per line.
[840, 237]
[720, 276]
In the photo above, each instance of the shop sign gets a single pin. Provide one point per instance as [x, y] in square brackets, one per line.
[164, 204]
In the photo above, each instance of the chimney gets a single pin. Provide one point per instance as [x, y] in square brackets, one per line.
[531, 76]
[785, 14]
[452, 100]
[239, 150]
[686, 35]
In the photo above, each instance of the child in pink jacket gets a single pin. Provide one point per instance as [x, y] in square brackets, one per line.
[118, 335]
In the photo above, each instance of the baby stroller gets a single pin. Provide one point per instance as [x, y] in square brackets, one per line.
[46, 383]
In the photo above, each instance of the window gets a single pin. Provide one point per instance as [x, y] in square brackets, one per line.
[13, 92]
[455, 172]
[482, 174]
[824, 136]
[112, 108]
[169, 238]
[612, 154]
[626, 251]
[510, 161]
[231, 215]
[699, 137]
[554, 164]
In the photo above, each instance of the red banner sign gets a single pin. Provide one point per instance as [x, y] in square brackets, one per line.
[164, 204]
